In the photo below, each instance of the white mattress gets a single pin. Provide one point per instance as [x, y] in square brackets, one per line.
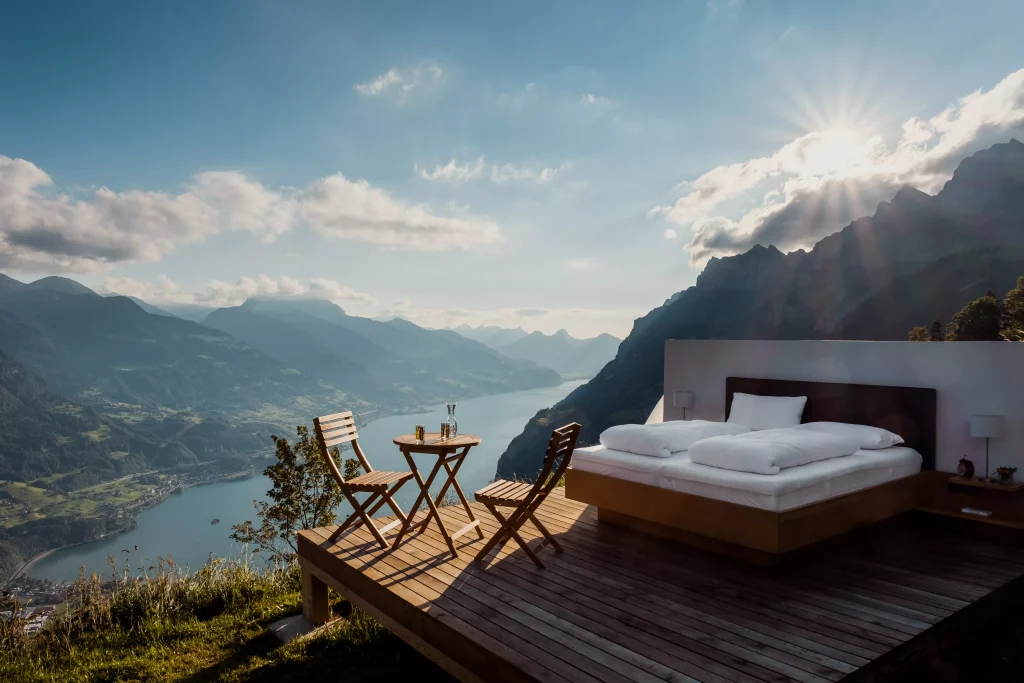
[791, 488]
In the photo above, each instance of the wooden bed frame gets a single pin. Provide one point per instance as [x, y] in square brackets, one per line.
[764, 536]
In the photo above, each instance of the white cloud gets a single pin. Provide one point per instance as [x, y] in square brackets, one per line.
[818, 183]
[670, 234]
[402, 84]
[244, 204]
[595, 100]
[454, 172]
[461, 173]
[580, 264]
[218, 294]
[580, 322]
[358, 211]
[42, 230]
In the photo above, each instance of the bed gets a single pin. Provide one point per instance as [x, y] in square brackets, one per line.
[759, 517]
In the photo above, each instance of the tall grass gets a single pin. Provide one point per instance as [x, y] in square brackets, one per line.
[135, 605]
[166, 623]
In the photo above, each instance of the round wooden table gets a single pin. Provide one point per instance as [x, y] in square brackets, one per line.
[450, 454]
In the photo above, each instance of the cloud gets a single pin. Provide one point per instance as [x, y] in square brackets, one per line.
[243, 204]
[356, 210]
[218, 294]
[402, 84]
[670, 234]
[580, 322]
[44, 230]
[580, 264]
[820, 182]
[461, 173]
[454, 172]
[594, 100]
[40, 229]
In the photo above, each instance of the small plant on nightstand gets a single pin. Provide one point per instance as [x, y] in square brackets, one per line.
[1006, 474]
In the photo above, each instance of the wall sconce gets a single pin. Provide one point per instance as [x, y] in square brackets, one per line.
[682, 399]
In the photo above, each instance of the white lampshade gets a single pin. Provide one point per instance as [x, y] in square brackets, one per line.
[988, 426]
[682, 399]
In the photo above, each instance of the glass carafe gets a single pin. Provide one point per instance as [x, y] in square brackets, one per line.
[453, 424]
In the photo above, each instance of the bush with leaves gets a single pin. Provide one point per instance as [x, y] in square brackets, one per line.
[977, 321]
[1013, 313]
[304, 495]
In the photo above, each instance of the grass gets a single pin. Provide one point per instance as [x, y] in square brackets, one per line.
[98, 435]
[30, 503]
[164, 624]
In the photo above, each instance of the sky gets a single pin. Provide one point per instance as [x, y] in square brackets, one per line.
[545, 165]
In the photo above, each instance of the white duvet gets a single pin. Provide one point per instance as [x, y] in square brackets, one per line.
[770, 451]
[662, 439]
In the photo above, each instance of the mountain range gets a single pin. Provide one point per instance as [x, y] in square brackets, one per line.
[103, 385]
[570, 356]
[917, 259]
[395, 363]
[42, 433]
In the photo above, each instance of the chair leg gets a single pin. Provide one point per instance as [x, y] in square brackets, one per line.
[493, 540]
[393, 504]
[387, 498]
[360, 511]
[509, 529]
[548, 538]
[354, 517]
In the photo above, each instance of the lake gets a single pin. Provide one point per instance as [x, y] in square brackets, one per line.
[180, 526]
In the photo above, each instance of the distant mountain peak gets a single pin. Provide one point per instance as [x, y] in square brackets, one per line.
[59, 284]
[310, 305]
[9, 283]
[907, 194]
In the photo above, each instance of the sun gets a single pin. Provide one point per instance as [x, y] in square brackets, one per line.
[837, 151]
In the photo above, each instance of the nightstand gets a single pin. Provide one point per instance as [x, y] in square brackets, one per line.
[953, 484]
[950, 495]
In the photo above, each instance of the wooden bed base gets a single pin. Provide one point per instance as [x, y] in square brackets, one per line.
[747, 533]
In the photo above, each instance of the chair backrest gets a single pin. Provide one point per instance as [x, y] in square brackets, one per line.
[335, 430]
[556, 462]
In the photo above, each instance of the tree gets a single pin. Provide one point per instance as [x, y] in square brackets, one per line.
[977, 321]
[1013, 313]
[918, 334]
[937, 333]
[304, 495]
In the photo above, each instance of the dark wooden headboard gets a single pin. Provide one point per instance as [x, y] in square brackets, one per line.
[907, 411]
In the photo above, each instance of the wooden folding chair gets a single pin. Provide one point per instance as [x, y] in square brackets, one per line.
[340, 428]
[526, 498]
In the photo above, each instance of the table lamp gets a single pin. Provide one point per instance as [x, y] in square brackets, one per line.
[987, 427]
[682, 399]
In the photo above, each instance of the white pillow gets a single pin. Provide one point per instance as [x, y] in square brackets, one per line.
[867, 438]
[766, 412]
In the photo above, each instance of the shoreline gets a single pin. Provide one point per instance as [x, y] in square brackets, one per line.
[31, 562]
[253, 471]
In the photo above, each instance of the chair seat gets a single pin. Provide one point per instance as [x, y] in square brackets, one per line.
[503, 492]
[376, 480]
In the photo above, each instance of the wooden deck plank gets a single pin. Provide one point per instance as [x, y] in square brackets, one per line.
[658, 616]
[621, 607]
[579, 652]
[608, 558]
[738, 590]
[576, 593]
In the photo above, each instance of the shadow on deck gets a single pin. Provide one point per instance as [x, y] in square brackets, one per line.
[622, 606]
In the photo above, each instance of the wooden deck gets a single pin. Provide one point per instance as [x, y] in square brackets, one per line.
[619, 606]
